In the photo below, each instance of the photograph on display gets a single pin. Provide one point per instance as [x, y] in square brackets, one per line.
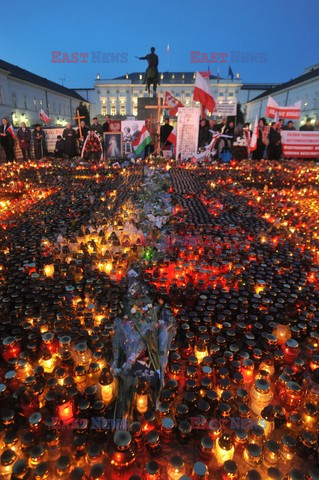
[113, 145]
[130, 131]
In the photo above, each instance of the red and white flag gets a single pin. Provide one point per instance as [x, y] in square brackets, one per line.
[172, 102]
[203, 93]
[172, 137]
[254, 137]
[44, 117]
[289, 112]
[205, 74]
[11, 131]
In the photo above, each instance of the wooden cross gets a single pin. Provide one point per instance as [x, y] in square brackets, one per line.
[159, 109]
[79, 118]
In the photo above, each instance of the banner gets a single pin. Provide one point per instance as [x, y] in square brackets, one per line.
[291, 112]
[300, 144]
[172, 102]
[187, 132]
[226, 107]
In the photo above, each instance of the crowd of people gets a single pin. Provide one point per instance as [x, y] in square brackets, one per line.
[72, 141]
[268, 137]
[68, 145]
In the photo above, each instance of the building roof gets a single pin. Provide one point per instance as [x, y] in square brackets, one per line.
[25, 75]
[309, 75]
[168, 77]
[259, 86]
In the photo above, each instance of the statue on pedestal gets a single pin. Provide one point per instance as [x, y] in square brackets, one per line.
[151, 76]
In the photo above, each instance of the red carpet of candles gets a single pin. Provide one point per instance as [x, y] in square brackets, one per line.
[222, 261]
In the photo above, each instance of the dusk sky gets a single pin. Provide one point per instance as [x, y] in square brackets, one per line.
[280, 35]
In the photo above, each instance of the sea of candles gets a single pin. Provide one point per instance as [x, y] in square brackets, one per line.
[239, 273]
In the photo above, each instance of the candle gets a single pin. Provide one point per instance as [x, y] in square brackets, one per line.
[224, 449]
[175, 468]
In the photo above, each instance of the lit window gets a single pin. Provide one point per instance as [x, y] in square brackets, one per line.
[173, 76]
[183, 76]
[162, 76]
[141, 76]
[41, 103]
[35, 103]
[103, 110]
[123, 110]
[113, 110]
[135, 112]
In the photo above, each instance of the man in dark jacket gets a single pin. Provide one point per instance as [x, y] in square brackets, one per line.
[274, 146]
[165, 133]
[59, 147]
[307, 127]
[96, 127]
[40, 148]
[6, 140]
[69, 136]
[24, 137]
[106, 125]
[203, 135]
[289, 126]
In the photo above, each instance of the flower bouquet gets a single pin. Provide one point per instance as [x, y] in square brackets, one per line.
[240, 149]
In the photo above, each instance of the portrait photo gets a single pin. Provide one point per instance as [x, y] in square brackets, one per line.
[113, 145]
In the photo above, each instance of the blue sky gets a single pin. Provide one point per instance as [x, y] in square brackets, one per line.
[284, 31]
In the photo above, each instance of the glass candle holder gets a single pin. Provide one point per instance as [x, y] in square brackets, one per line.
[7, 459]
[109, 387]
[152, 471]
[271, 453]
[261, 396]
[175, 468]
[153, 443]
[122, 450]
[287, 448]
[224, 449]
[252, 454]
[199, 471]
[230, 471]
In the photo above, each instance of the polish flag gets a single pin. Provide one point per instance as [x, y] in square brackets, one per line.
[205, 74]
[172, 137]
[254, 137]
[172, 102]
[203, 93]
[44, 117]
[11, 131]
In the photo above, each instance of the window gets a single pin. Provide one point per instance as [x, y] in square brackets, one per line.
[141, 76]
[25, 99]
[41, 103]
[220, 94]
[135, 112]
[34, 103]
[123, 110]
[103, 110]
[14, 99]
[113, 110]
[231, 94]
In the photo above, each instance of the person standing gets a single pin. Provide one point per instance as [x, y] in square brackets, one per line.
[96, 127]
[59, 150]
[85, 130]
[69, 136]
[24, 137]
[40, 149]
[165, 132]
[106, 124]
[307, 127]
[203, 134]
[274, 147]
[6, 140]
[289, 126]
[262, 140]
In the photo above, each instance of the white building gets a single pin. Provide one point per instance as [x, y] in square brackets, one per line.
[118, 97]
[23, 94]
[304, 88]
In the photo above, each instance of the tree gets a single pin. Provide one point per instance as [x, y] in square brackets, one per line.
[84, 112]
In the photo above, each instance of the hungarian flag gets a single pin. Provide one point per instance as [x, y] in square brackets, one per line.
[44, 117]
[254, 137]
[142, 141]
[203, 93]
[11, 131]
[172, 102]
[172, 137]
